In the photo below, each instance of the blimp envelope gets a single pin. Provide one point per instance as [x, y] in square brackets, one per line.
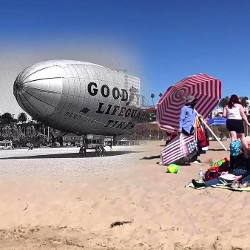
[80, 97]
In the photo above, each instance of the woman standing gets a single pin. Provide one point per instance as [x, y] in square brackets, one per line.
[187, 117]
[187, 122]
[235, 115]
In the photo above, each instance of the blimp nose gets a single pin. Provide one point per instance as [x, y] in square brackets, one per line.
[38, 89]
[18, 86]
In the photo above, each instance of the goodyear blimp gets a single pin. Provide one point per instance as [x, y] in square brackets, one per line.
[81, 97]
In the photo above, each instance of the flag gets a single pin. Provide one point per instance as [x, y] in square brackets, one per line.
[179, 147]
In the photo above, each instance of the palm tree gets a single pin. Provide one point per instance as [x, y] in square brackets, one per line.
[223, 102]
[153, 96]
[244, 101]
[160, 95]
[22, 117]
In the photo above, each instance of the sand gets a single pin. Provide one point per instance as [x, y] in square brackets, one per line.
[53, 199]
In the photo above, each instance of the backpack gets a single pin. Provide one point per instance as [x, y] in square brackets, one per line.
[235, 148]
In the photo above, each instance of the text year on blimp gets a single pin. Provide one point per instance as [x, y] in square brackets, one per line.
[105, 91]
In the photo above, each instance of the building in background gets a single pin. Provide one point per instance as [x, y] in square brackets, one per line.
[72, 140]
[151, 111]
[218, 111]
[133, 85]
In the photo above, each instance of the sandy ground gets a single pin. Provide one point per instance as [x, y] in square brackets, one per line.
[53, 199]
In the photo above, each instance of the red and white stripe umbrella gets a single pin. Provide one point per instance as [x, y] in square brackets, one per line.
[205, 88]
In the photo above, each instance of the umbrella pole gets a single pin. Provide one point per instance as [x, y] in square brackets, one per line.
[211, 131]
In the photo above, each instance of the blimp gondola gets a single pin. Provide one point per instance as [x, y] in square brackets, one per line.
[79, 97]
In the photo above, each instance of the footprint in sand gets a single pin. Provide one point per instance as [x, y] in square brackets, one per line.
[95, 204]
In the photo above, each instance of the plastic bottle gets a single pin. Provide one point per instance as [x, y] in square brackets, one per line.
[201, 175]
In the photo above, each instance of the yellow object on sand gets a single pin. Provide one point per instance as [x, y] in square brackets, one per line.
[173, 168]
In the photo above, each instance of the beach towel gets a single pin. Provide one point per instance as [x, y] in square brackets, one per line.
[201, 138]
[239, 189]
[222, 186]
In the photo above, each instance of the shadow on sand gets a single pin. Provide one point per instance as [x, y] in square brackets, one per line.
[216, 149]
[71, 155]
[150, 157]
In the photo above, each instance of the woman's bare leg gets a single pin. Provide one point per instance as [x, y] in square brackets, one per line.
[233, 135]
[243, 140]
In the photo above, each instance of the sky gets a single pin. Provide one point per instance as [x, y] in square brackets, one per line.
[158, 41]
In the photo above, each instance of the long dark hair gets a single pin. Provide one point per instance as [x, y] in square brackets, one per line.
[233, 99]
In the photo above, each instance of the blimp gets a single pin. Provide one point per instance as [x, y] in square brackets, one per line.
[79, 97]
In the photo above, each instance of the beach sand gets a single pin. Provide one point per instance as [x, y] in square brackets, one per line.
[53, 199]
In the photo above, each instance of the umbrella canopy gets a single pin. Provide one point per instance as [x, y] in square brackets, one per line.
[205, 88]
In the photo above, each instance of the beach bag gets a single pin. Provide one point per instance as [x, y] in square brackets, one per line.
[212, 173]
[235, 148]
[201, 136]
[216, 169]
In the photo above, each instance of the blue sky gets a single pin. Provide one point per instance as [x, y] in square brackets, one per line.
[159, 41]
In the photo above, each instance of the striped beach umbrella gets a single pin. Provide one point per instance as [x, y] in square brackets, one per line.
[205, 88]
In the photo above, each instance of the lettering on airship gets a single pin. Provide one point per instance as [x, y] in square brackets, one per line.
[121, 111]
[118, 124]
[77, 117]
[109, 124]
[106, 92]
